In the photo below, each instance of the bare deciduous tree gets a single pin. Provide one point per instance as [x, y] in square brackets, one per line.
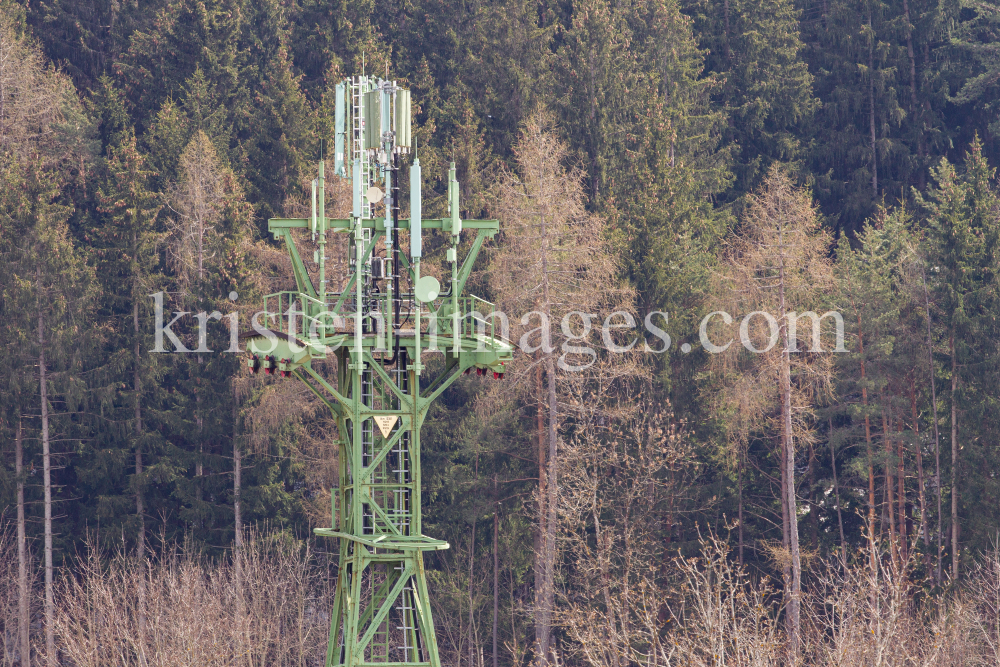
[616, 476]
[30, 94]
[553, 266]
[197, 201]
[17, 580]
[776, 263]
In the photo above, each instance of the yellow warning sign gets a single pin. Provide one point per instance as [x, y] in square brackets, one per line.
[385, 423]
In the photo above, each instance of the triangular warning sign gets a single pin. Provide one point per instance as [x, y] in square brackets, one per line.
[385, 423]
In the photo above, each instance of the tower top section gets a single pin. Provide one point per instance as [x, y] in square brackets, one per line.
[371, 123]
[383, 304]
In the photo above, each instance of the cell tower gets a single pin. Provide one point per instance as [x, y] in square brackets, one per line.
[378, 326]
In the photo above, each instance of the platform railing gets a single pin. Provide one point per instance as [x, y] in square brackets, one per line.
[307, 325]
[313, 319]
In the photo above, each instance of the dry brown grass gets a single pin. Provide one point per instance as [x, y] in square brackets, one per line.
[704, 611]
[192, 613]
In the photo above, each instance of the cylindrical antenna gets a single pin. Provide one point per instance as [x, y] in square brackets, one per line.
[340, 129]
[312, 225]
[356, 187]
[415, 202]
[456, 222]
[322, 232]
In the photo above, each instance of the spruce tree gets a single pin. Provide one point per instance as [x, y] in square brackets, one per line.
[768, 89]
[963, 214]
[276, 138]
[972, 59]
[184, 37]
[328, 40]
[878, 118]
[125, 240]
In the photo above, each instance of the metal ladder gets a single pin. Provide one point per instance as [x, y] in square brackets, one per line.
[401, 456]
[359, 86]
[407, 627]
[367, 446]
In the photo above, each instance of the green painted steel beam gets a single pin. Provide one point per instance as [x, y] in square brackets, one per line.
[276, 225]
[381, 611]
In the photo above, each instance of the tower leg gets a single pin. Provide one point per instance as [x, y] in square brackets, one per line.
[381, 610]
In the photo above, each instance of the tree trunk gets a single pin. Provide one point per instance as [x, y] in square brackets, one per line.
[954, 463]
[890, 510]
[920, 476]
[786, 565]
[739, 510]
[140, 509]
[50, 638]
[914, 107]
[550, 519]
[666, 561]
[237, 498]
[904, 546]
[539, 569]
[472, 564]
[201, 223]
[789, 454]
[868, 442]
[199, 468]
[725, 43]
[199, 465]
[496, 566]
[813, 507]
[23, 602]
[595, 172]
[836, 497]
[871, 103]
[937, 434]
[552, 481]
[137, 384]
[603, 557]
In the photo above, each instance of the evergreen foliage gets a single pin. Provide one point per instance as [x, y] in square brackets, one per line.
[144, 145]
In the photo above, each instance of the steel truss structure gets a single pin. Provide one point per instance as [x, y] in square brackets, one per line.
[378, 327]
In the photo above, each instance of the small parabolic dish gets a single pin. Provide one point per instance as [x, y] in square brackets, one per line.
[427, 289]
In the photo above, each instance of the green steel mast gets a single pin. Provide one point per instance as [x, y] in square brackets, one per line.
[379, 327]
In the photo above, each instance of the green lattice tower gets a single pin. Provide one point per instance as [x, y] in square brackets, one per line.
[378, 327]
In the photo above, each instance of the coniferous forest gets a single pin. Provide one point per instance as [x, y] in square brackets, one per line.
[682, 163]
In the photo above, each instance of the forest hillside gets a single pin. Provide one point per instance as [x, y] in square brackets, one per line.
[763, 428]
